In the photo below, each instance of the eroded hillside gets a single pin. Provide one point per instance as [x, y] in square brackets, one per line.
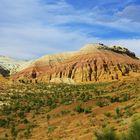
[94, 62]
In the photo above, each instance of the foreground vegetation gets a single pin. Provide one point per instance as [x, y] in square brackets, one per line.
[49, 111]
[108, 133]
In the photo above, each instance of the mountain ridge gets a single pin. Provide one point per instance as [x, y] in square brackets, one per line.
[94, 62]
[12, 65]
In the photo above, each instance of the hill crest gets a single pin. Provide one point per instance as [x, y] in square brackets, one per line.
[94, 62]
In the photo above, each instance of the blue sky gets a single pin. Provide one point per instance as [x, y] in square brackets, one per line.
[32, 28]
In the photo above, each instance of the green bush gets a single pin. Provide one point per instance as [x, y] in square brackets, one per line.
[114, 99]
[85, 97]
[14, 131]
[21, 114]
[79, 109]
[118, 112]
[3, 123]
[125, 97]
[49, 102]
[65, 112]
[107, 114]
[133, 133]
[101, 103]
[129, 112]
[27, 133]
[107, 134]
[48, 117]
[51, 129]
[87, 110]
[25, 121]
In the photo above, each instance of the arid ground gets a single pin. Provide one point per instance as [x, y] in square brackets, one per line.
[67, 112]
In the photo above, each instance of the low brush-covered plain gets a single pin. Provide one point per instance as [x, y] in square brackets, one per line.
[102, 111]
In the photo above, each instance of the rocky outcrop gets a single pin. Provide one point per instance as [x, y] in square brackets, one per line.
[94, 62]
[13, 66]
[62, 80]
[4, 72]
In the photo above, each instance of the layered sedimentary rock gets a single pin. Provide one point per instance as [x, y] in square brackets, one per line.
[94, 62]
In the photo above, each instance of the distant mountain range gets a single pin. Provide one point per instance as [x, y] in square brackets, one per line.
[94, 62]
[10, 66]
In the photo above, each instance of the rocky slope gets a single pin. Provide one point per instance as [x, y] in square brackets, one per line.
[4, 72]
[94, 62]
[11, 66]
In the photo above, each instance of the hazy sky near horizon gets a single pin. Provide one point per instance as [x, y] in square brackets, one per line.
[32, 28]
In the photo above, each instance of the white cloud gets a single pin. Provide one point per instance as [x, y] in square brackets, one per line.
[131, 44]
[31, 42]
[130, 12]
[29, 28]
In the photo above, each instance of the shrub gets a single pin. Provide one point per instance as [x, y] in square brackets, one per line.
[118, 112]
[51, 129]
[133, 133]
[101, 103]
[87, 110]
[114, 99]
[21, 114]
[53, 106]
[85, 97]
[48, 117]
[129, 112]
[65, 112]
[27, 133]
[107, 134]
[108, 114]
[25, 121]
[14, 131]
[6, 110]
[126, 97]
[3, 123]
[79, 109]
[49, 102]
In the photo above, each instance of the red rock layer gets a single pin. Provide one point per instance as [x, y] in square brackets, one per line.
[100, 65]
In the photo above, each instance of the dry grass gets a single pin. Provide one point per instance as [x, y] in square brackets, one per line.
[47, 112]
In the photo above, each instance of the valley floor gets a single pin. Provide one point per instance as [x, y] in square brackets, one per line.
[67, 112]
